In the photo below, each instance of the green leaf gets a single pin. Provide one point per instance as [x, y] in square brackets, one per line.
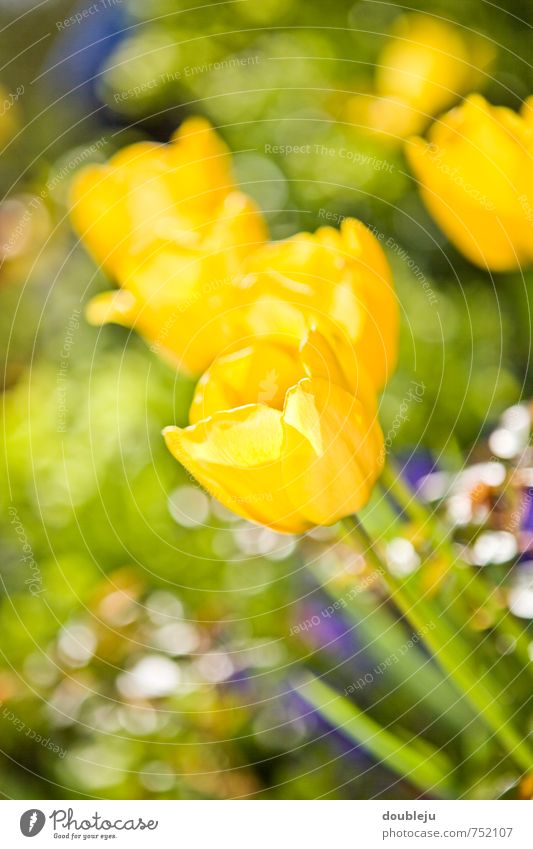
[416, 761]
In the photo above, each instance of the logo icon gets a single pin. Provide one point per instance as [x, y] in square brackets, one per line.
[32, 822]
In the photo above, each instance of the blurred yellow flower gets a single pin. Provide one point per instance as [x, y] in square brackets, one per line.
[196, 274]
[426, 65]
[283, 434]
[338, 278]
[10, 117]
[183, 300]
[151, 191]
[168, 224]
[476, 178]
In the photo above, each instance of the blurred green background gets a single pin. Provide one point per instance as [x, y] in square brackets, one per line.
[148, 644]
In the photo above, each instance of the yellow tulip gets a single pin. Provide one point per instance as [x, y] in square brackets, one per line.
[476, 178]
[283, 434]
[152, 191]
[335, 278]
[168, 224]
[10, 115]
[423, 68]
[182, 299]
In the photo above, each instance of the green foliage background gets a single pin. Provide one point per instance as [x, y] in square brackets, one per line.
[92, 487]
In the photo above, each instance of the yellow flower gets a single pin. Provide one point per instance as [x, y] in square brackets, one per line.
[168, 224]
[150, 190]
[283, 434]
[182, 300]
[338, 278]
[426, 65]
[476, 178]
[10, 115]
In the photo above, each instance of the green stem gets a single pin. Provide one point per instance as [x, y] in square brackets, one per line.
[449, 651]
[418, 762]
[476, 589]
[380, 630]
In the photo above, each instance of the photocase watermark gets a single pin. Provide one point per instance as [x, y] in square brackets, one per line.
[339, 604]
[436, 154]
[517, 516]
[332, 217]
[73, 325]
[65, 820]
[30, 733]
[252, 498]
[66, 825]
[413, 396]
[224, 64]
[35, 203]
[34, 581]
[18, 232]
[32, 822]
[389, 242]
[390, 661]
[355, 156]
[83, 14]
[146, 85]
[76, 160]
[414, 268]
[268, 387]
[10, 99]
[208, 288]
[183, 73]
[526, 207]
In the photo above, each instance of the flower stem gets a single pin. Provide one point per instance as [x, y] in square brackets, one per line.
[413, 759]
[450, 652]
[476, 589]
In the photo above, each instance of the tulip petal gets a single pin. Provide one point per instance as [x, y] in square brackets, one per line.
[332, 452]
[370, 276]
[202, 162]
[337, 362]
[338, 281]
[262, 372]
[390, 116]
[149, 190]
[469, 206]
[98, 215]
[236, 456]
[118, 307]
